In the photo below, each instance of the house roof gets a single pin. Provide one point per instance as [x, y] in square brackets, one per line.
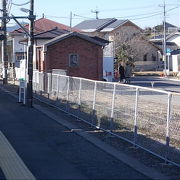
[168, 25]
[177, 51]
[114, 25]
[97, 41]
[167, 43]
[168, 36]
[100, 39]
[94, 25]
[157, 38]
[43, 24]
[175, 34]
[12, 28]
[51, 33]
[170, 45]
[103, 25]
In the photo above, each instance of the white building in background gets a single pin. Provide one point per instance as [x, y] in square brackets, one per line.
[175, 58]
[175, 54]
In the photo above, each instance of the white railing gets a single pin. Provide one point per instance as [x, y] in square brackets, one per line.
[146, 117]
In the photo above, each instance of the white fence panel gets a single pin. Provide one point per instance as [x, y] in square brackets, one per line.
[146, 117]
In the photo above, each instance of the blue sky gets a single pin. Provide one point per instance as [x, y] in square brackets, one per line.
[144, 13]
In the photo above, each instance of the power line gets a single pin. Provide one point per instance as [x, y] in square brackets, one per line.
[9, 5]
[133, 8]
[21, 4]
[173, 8]
[130, 17]
[125, 9]
[83, 16]
[151, 14]
[65, 17]
[158, 12]
[136, 15]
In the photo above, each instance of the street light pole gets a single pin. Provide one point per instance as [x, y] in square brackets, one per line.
[29, 97]
[4, 42]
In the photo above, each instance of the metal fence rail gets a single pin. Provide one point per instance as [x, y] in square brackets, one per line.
[146, 117]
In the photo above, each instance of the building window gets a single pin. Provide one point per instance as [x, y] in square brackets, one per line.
[153, 57]
[73, 60]
[145, 57]
[20, 56]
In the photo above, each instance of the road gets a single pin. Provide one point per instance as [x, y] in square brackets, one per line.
[51, 151]
[159, 83]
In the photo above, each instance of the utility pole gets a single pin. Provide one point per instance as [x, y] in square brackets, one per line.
[29, 97]
[164, 39]
[4, 42]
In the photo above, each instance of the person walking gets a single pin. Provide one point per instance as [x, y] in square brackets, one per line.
[121, 73]
[128, 72]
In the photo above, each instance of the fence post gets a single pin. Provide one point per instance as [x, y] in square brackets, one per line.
[24, 90]
[67, 99]
[57, 86]
[94, 101]
[135, 116]
[79, 97]
[48, 84]
[167, 124]
[19, 92]
[41, 83]
[51, 85]
[112, 108]
[35, 81]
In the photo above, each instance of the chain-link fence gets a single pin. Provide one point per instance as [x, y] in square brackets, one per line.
[146, 117]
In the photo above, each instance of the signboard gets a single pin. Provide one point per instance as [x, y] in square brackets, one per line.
[168, 51]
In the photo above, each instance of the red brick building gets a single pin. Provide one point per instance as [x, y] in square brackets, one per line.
[80, 55]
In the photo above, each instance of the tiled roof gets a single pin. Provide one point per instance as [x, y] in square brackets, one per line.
[167, 43]
[43, 24]
[97, 41]
[169, 25]
[168, 36]
[116, 24]
[51, 33]
[103, 25]
[100, 39]
[177, 51]
[93, 25]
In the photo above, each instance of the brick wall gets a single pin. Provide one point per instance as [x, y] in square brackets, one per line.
[90, 58]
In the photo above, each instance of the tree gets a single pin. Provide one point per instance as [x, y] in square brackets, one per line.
[123, 54]
[148, 31]
[131, 46]
[124, 50]
[159, 28]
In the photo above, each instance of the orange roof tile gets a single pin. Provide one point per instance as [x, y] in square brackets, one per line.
[44, 24]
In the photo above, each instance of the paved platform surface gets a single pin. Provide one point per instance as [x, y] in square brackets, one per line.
[52, 151]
